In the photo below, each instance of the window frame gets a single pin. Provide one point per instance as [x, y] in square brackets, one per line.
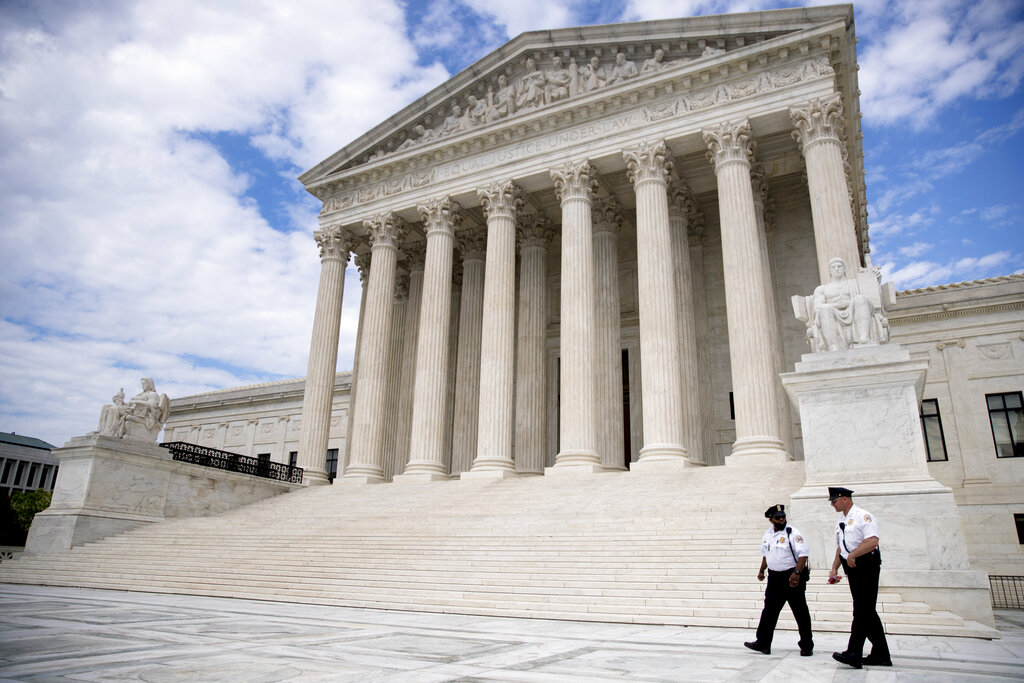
[1016, 447]
[937, 417]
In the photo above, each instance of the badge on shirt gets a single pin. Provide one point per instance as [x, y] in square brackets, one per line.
[867, 518]
[849, 521]
[782, 540]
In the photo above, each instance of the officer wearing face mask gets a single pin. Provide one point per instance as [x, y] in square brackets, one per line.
[784, 555]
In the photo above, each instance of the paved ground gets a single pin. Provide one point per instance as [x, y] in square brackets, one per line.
[69, 634]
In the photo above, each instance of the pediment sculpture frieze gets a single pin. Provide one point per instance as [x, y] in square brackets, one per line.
[537, 87]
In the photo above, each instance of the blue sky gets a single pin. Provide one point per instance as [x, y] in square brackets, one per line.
[152, 225]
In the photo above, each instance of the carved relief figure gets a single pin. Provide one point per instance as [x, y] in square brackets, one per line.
[623, 69]
[454, 122]
[593, 76]
[557, 82]
[476, 112]
[531, 87]
[843, 313]
[654, 63]
[504, 98]
[141, 419]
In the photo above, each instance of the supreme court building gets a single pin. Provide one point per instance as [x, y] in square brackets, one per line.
[578, 255]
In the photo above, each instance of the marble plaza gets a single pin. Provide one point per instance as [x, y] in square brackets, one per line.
[617, 295]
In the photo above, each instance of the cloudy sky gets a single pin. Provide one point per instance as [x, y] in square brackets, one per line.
[151, 223]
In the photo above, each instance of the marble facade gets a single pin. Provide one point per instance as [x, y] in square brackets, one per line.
[578, 255]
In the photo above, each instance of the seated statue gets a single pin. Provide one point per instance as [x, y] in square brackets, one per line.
[141, 419]
[845, 312]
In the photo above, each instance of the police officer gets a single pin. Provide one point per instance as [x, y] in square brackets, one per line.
[784, 555]
[857, 550]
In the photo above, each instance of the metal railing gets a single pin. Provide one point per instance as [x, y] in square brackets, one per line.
[232, 462]
[1007, 591]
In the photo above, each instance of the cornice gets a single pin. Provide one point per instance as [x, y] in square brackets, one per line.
[946, 314]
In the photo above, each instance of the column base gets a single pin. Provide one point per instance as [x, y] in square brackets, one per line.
[315, 478]
[649, 465]
[757, 450]
[479, 474]
[575, 459]
[662, 451]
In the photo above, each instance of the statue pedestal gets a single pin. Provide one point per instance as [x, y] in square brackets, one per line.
[107, 486]
[859, 411]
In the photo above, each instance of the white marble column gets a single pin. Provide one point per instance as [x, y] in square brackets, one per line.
[608, 220]
[426, 456]
[690, 417]
[473, 243]
[362, 262]
[416, 254]
[575, 183]
[708, 441]
[820, 127]
[365, 466]
[535, 234]
[501, 202]
[750, 352]
[393, 372]
[335, 244]
[453, 351]
[763, 208]
[647, 167]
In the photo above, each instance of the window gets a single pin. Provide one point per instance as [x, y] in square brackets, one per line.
[44, 478]
[264, 463]
[8, 464]
[293, 458]
[33, 470]
[1006, 413]
[931, 425]
[1019, 521]
[732, 407]
[332, 463]
[21, 471]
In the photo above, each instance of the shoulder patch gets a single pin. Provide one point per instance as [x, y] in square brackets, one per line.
[867, 518]
[799, 539]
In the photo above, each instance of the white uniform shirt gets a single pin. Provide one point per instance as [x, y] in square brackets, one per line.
[775, 548]
[858, 524]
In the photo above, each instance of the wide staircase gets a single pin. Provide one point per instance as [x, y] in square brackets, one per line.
[680, 548]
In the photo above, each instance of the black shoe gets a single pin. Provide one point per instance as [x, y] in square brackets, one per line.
[874, 660]
[847, 659]
[758, 647]
[806, 653]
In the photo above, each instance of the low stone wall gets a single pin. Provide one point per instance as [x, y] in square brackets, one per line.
[108, 486]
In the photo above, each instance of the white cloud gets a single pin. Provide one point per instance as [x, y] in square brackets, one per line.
[130, 247]
[928, 273]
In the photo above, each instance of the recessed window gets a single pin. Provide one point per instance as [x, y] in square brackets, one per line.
[1018, 519]
[931, 425]
[293, 458]
[332, 463]
[1006, 414]
[732, 407]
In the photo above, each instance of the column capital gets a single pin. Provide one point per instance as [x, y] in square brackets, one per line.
[335, 242]
[819, 120]
[386, 229]
[680, 200]
[608, 215]
[415, 255]
[501, 198]
[362, 262]
[472, 242]
[729, 143]
[534, 231]
[647, 161]
[574, 180]
[440, 215]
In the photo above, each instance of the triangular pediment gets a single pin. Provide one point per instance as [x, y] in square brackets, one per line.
[542, 70]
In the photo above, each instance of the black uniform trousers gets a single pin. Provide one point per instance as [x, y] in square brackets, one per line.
[864, 589]
[777, 594]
